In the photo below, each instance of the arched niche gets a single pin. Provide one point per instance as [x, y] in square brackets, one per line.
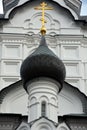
[33, 100]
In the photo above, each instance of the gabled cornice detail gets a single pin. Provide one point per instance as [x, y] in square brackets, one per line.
[9, 5]
[73, 6]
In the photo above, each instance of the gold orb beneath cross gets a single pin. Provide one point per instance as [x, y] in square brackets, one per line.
[43, 30]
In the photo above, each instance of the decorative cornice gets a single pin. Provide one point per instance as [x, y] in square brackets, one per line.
[72, 6]
[11, 121]
[34, 40]
[74, 121]
[8, 4]
[75, 5]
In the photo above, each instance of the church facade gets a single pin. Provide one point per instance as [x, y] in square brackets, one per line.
[51, 92]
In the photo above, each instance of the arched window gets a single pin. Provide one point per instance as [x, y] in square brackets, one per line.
[43, 108]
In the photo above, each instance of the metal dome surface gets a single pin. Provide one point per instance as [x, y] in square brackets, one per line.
[43, 63]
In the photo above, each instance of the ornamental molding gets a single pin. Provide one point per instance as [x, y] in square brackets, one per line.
[6, 125]
[13, 41]
[72, 42]
[34, 40]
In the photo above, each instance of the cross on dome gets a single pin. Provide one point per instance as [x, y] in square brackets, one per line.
[43, 6]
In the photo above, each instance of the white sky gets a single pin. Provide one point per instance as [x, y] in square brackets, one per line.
[83, 10]
[1, 9]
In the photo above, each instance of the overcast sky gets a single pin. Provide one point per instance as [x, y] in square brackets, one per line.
[1, 9]
[83, 10]
[84, 7]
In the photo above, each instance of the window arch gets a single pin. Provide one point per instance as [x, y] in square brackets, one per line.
[43, 108]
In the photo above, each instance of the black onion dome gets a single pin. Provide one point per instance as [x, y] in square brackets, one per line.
[43, 63]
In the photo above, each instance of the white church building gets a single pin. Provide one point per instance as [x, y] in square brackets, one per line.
[43, 79]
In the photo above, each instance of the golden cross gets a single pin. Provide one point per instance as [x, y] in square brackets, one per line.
[43, 6]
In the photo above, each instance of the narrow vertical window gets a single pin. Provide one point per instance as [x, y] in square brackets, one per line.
[43, 108]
